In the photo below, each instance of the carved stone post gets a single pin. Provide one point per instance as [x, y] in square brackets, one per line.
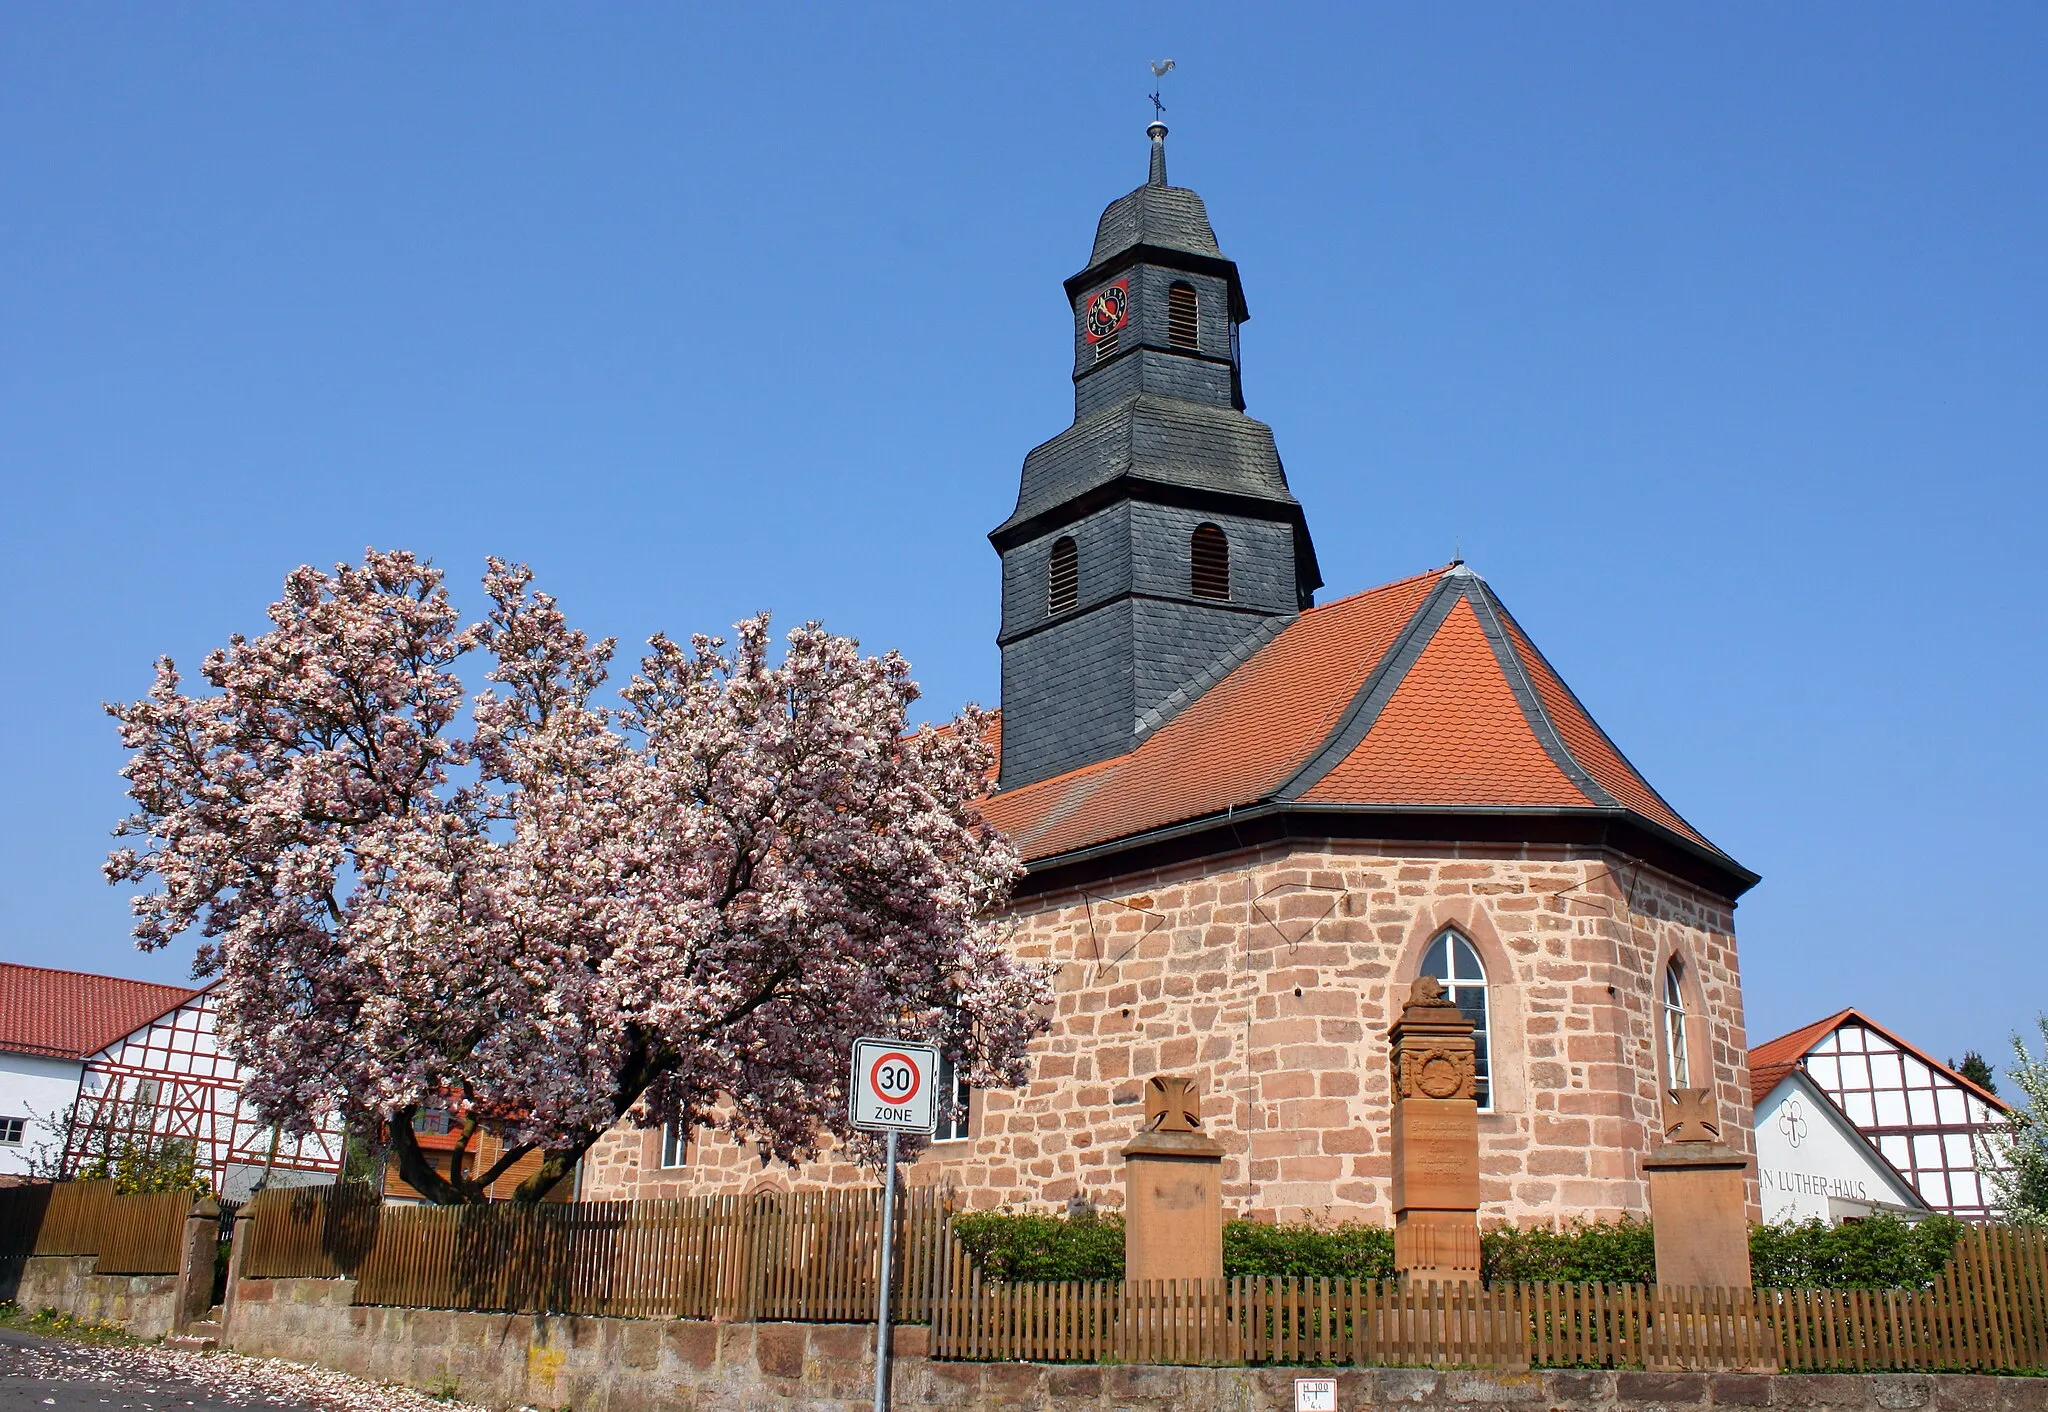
[196, 1257]
[1173, 1190]
[1697, 1198]
[1436, 1139]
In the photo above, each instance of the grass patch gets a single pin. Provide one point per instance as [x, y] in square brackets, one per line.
[53, 1323]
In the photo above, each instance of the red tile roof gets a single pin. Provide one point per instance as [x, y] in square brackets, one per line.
[1452, 733]
[1422, 693]
[1770, 1061]
[72, 1015]
[1237, 742]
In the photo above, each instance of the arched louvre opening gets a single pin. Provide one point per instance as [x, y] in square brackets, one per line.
[1183, 316]
[1454, 961]
[1063, 577]
[1209, 563]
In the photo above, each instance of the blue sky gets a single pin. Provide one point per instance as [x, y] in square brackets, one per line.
[1712, 335]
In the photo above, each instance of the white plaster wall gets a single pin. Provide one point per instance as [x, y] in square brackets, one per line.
[34, 1086]
[1806, 1154]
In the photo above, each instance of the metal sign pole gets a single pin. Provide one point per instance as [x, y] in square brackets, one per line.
[888, 1270]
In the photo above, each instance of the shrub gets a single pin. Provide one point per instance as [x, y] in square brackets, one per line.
[1014, 1248]
[1349, 1251]
[1882, 1252]
[1594, 1252]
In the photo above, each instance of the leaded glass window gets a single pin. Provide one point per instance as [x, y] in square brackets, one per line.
[1455, 963]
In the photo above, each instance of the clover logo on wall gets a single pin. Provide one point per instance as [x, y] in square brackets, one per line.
[1792, 1122]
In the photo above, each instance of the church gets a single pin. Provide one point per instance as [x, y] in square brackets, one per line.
[1251, 820]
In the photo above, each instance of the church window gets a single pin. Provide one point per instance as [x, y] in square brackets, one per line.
[1062, 577]
[1455, 962]
[1105, 348]
[1678, 1071]
[675, 1145]
[1209, 563]
[1183, 316]
[953, 1089]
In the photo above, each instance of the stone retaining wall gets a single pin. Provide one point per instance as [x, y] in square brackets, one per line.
[633, 1365]
[145, 1305]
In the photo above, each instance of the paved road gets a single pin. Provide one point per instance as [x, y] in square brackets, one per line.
[38, 1373]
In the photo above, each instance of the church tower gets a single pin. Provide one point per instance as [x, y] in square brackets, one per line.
[1155, 544]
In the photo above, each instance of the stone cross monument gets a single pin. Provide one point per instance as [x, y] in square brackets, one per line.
[1436, 1139]
[1697, 1197]
[1173, 1189]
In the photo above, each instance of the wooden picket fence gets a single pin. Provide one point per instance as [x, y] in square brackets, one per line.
[1323, 1322]
[813, 1257]
[1987, 1312]
[130, 1235]
[311, 1231]
[808, 1256]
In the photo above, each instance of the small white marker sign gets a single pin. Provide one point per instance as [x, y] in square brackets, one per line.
[1315, 1395]
[895, 1086]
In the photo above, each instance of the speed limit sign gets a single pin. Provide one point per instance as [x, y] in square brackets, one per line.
[895, 1086]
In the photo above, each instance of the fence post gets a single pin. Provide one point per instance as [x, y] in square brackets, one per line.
[238, 1256]
[196, 1257]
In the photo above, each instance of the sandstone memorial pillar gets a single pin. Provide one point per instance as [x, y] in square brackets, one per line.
[1173, 1189]
[196, 1257]
[1436, 1139]
[1697, 1200]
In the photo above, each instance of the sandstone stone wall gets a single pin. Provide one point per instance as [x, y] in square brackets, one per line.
[145, 1305]
[625, 1365]
[1272, 976]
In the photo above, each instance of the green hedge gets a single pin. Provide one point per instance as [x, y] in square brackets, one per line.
[1356, 1252]
[1881, 1253]
[1620, 1252]
[1018, 1248]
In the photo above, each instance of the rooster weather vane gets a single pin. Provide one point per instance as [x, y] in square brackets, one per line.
[1160, 69]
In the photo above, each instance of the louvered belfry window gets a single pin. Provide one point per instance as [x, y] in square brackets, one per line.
[1183, 317]
[1209, 563]
[1062, 578]
[1105, 348]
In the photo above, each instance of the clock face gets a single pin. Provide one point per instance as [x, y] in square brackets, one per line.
[1108, 310]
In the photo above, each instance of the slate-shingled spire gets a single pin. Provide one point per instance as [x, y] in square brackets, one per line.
[1160, 446]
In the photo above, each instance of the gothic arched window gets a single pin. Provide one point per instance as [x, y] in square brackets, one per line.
[1209, 563]
[1062, 577]
[1183, 316]
[1455, 962]
[1677, 1071]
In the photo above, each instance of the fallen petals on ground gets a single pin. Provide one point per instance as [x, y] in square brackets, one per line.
[175, 1374]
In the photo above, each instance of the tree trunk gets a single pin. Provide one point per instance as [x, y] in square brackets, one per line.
[417, 1172]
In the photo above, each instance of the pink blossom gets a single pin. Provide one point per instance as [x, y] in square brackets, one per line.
[683, 909]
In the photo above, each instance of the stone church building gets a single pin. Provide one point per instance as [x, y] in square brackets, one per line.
[1251, 820]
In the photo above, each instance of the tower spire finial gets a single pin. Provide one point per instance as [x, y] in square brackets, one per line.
[1157, 130]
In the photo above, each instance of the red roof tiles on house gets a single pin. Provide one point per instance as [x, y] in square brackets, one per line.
[73, 1015]
[1422, 693]
[1770, 1061]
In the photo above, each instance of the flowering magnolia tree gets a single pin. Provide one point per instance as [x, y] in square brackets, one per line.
[679, 910]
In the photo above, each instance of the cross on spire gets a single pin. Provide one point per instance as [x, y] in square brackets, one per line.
[1160, 69]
